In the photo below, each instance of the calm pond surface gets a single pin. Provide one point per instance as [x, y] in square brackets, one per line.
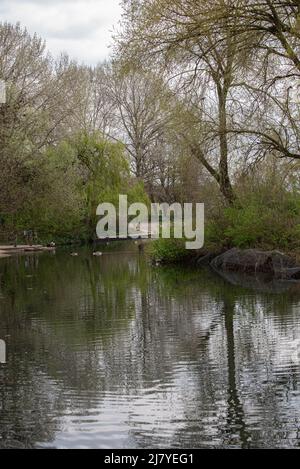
[113, 353]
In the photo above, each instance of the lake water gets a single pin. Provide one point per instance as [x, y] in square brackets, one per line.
[111, 353]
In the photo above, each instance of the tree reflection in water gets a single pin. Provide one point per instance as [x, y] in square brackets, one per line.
[109, 352]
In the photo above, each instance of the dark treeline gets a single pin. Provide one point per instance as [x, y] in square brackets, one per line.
[199, 102]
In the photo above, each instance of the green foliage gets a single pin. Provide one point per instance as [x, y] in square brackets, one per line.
[104, 170]
[169, 250]
[266, 216]
[262, 219]
[55, 208]
[68, 184]
[136, 193]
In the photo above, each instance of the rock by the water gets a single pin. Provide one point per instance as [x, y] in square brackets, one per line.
[205, 260]
[206, 257]
[259, 282]
[252, 261]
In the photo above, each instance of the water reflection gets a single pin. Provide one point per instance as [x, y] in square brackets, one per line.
[109, 352]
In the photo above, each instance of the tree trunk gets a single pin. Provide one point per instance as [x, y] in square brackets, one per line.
[224, 178]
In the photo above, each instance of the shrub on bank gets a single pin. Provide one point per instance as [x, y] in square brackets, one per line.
[271, 222]
[169, 251]
[262, 219]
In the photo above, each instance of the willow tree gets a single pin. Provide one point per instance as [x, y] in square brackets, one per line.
[271, 31]
[177, 35]
[276, 24]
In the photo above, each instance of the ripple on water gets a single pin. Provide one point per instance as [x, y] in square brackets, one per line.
[116, 354]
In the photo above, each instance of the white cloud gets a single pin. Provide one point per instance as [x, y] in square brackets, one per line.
[82, 28]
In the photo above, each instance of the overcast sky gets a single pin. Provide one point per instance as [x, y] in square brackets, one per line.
[82, 28]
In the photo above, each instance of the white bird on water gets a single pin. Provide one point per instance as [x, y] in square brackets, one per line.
[97, 254]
